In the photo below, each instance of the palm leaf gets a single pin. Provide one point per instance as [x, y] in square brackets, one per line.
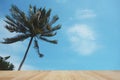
[19, 28]
[10, 28]
[54, 19]
[52, 30]
[56, 27]
[20, 17]
[48, 13]
[49, 34]
[10, 19]
[34, 9]
[7, 57]
[36, 46]
[50, 41]
[20, 37]
[10, 23]
[31, 12]
[17, 11]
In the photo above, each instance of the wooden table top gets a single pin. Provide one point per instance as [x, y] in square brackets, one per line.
[59, 75]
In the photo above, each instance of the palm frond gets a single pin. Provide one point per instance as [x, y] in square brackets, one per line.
[18, 28]
[20, 17]
[10, 19]
[35, 9]
[36, 46]
[54, 19]
[52, 30]
[31, 12]
[43, 12]
[50, 41]
[17, 11]
[56, 27]
[7, 57]
[10, 23]
[49, 34]
[20, 37]
[10, 28]
[48, 13]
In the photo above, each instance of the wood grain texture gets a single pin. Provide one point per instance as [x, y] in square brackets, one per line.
[59, 75]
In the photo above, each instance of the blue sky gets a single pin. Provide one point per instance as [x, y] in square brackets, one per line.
[88, 40]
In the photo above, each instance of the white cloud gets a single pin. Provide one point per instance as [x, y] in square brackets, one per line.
[84, 31]
[82, 39]
[85, 14]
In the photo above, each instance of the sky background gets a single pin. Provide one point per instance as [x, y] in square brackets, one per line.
[88, 40]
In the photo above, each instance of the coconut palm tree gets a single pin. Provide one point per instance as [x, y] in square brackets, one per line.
[36, 25]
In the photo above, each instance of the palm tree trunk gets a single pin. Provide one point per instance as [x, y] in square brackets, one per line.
[25, 54]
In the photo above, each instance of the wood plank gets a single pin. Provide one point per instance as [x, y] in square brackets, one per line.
[59, 75]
